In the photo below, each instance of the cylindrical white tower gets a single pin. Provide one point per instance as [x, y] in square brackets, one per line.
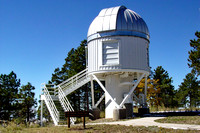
[118, 52]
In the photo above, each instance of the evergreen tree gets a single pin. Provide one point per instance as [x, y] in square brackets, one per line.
[189, 91]
[28, 103]
[46, 115]
[194, 54]
[75, 62]
[167, 89]
[9, 85]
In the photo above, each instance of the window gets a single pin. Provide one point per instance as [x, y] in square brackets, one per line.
[110, 53]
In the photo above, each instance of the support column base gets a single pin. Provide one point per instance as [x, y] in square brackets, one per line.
[119, 114]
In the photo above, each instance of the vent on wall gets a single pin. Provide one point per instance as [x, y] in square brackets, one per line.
[110, 53]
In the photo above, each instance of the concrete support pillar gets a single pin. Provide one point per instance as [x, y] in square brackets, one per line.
[112, 87]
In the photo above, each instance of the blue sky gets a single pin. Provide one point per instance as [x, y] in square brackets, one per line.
[36, 35]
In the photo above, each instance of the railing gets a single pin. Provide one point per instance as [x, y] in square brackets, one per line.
[61, 91]
[65, 103]
[73, 81]
[50, 105]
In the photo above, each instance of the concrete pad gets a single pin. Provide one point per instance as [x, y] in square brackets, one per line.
[150, 121]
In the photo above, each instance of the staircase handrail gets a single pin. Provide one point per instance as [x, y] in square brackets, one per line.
[74, 78]
[50, 102]
[65, 103]
[70, 108]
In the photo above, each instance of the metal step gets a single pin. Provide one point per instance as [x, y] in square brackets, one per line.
[56, 100]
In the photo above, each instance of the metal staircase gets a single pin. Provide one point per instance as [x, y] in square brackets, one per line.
[49, 97]
[52, 93]
[75, 82]
[65, 104]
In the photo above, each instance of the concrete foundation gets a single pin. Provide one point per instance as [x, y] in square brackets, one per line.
[119, 114]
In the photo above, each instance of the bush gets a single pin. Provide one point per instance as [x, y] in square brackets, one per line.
[12, 126]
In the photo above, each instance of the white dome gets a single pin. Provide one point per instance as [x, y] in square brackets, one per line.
[117, 21]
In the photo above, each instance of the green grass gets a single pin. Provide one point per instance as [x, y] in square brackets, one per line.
[181, 120]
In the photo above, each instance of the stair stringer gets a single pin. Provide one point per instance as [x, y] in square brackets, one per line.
[50, 104]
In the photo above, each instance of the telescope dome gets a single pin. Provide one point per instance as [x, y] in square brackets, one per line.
[117, 21]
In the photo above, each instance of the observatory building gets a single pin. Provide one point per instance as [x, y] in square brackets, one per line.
[118, 53]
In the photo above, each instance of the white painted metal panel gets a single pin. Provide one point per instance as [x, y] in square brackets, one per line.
[119, 19]
[134, 53]
[99, 23]
[102, 13]
[131, 55]
[112, 22]
[115, 10]
[106, 23]
[108, 12]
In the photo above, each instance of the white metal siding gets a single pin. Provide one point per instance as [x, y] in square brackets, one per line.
[132, 54]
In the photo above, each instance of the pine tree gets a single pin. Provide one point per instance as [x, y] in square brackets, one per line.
[9, 85]
[46, 115]
[167, 89]
[28, 103]
[189, 91]
[75, 62]
[194, 54]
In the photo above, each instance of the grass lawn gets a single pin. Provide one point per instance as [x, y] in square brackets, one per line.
[181, 120]
[93, 129]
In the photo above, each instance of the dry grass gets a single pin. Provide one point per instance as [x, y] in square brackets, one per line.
[92, 129]
[181, 120]
[13, 128]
